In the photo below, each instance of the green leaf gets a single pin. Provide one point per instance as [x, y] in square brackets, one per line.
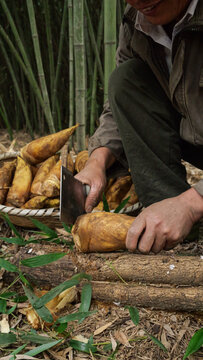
[8, 295]
[14, 240]
[67, 228]
[105, 203]
[157, 342]
[75, 316]
[11, 310]
[122, 205]
[6, 339]
[59, 289]
[43, 312]
[44, 228]
[6, 217]
[16, 351]
[3, 305]
[20, 298]
[42, 348]
[195, 343]
[36, 339]
[61, 328]
[8, 266]
[42, 259]
[107, 347]
[86, 298]
[81, 346]
[134, 314]
[24, 280]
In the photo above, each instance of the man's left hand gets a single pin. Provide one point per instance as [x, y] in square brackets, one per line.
[166, 223]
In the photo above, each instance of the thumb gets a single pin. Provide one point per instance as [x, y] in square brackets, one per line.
[92, 199]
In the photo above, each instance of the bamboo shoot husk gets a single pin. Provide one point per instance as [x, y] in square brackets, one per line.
[51, 185]
[6, 176]
[19, 191]
[81, 160]
[52, 203]
[117, 191]
[101, 231]
[37, 202]
[133, 196]
[41, 149]
[42, 173]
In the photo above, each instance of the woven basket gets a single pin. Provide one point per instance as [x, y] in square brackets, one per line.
[49, 217]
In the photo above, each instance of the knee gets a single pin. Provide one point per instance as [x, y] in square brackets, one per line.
[118, 81]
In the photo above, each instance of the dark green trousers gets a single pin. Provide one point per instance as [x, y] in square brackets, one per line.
[149, 128]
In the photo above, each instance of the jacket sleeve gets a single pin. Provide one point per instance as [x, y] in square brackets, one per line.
[107, 134]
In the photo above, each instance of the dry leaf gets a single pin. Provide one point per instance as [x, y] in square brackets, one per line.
[164, 340]
[113, 342]
[169, 330]
[20, 357]
[102, 328]
[80, 338]
[122, 338]
[4, 325]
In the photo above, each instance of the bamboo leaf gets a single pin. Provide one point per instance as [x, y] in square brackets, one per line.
[44, 228]
[42, 348]
[43, 312]
[3, 304]
[86, 298]
[67, 228]
[11, 310]
[36, 339]
[157, 342]
[7, 339]
[81, 346]
[59, 289]
[16, 241]
[6, 217]
[8, 266]
[105, 203]
[122, 205]
[16, 351]
[76, 316]
[42, 259]
[61, 328]
[134, 314]
[195, 343]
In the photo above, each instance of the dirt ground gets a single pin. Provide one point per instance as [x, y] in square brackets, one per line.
[173, 329]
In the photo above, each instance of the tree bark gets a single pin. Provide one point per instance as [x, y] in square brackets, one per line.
[159, 281]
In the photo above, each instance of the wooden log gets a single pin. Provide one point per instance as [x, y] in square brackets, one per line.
[162, 298]
[112, 267]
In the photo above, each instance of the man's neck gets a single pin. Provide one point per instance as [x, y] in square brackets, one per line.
[169, 27]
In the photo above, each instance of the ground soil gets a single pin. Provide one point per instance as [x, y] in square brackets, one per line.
[172, 328]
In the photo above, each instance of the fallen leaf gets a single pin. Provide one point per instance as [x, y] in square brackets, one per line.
[4, 325]
[102, 328]
[122, 338]
[113, 342]
[164, 340]
[169, 330]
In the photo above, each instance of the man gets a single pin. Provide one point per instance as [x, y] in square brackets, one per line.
[156, 116]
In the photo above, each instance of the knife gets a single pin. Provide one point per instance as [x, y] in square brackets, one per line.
[73, 194]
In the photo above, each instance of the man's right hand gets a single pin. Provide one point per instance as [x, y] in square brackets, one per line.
[94, 174]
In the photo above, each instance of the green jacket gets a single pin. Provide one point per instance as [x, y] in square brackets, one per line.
[184, 85]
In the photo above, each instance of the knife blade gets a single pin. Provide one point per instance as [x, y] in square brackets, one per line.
[73, 194]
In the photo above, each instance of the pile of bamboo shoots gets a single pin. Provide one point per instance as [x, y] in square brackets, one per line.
[32, 181]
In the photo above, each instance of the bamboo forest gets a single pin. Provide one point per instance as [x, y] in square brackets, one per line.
[56, 58]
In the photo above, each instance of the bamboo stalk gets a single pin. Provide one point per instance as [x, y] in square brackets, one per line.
[17, 88]
[38, 59]
[94, 44]
[80, 71]
[26, 67]
[4, 116]
[109, 41]
[71, 64]
[93, 107]
[58, 66]
[49, 46]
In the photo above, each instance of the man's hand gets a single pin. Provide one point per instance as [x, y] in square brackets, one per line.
[94, 174]
[166, 223]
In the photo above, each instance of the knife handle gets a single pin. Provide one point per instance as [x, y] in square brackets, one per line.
[86, 189]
